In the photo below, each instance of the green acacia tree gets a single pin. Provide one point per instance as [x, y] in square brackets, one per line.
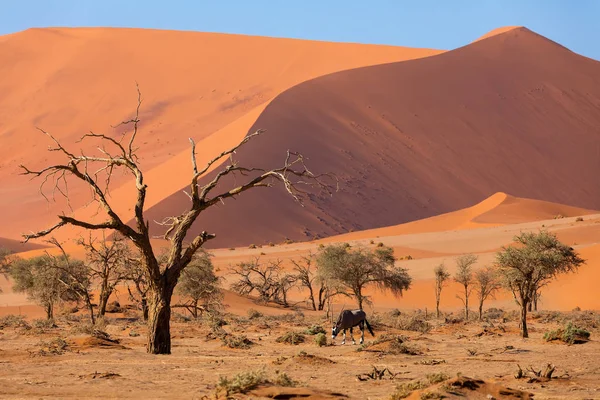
[532, 261]
[355, 269]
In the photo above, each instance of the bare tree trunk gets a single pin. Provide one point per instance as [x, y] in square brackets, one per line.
[159, 317]
[524, 332]
[359, 298]
[49, 311]
[311, 296]
[88, 302]
[195, 309]
[322, 298]
[535, 301]
[466, 304]
[104, 296]
[481, 308]
[144, 304]
[437, 306]
[530, 307]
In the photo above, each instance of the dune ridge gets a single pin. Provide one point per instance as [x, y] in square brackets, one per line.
[409, 142]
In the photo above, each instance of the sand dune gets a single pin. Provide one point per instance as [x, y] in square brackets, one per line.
[515, 113]
[497, 210]
[17, 246]
[71, 81]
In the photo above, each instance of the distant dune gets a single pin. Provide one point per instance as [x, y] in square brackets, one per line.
[514, 113]
[497, 210]
[17, 247]
[71, 81]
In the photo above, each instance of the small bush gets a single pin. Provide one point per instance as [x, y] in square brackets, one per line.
[404, 390]
[13, 321]
[242, 382]
[412, 323]
[271, 244]
[252, 246]
[437, 378]
[254, 314]
[321, 340]
[55, 346]
[283, 379]
[570, 334]
[380, 244]
[315, 330]
[292, 338]
[579, 219]
[236, 342]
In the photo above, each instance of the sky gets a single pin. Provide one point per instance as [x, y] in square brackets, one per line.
[440, 24]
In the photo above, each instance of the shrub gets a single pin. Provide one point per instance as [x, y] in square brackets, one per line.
[321, 340]
[292, 338]
[42, 324]
[412, 323]
[437, 378]
[236, 342]
[242, 382]
[55, 346]
[404, 390]
[283, 379]
[579, 219]
[252, 246]
[571, 334]
[13, 321]
[254, 314]
[314, 330]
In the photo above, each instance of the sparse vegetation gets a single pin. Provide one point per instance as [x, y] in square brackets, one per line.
[269, 281]
[199, 286]
[236, 342]
[321, 339]
[570, 334]
[292, 338]
[487, 284]
[536, 259]
[315, 330]
[242, 382]
[441, 277]
[13, 321]
[359, 268]
[464, 277]
[108, 264]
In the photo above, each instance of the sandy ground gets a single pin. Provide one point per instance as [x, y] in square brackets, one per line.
[193, 370]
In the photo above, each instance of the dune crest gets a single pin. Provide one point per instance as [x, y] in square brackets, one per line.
[498, 31]
[497, 210]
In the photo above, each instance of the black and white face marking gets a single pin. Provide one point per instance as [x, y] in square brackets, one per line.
[334, 332]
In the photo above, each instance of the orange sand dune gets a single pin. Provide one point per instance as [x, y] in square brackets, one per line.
[17, 247]
[498, 209]
[71, 81]
[498, 31]
[419, 138]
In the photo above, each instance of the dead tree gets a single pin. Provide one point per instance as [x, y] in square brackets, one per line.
[108, 263]
[120, 155]
[268, 280]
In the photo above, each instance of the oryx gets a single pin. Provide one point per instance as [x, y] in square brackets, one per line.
[350, 319]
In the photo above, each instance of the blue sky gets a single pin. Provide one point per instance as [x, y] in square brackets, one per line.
[442, 24]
